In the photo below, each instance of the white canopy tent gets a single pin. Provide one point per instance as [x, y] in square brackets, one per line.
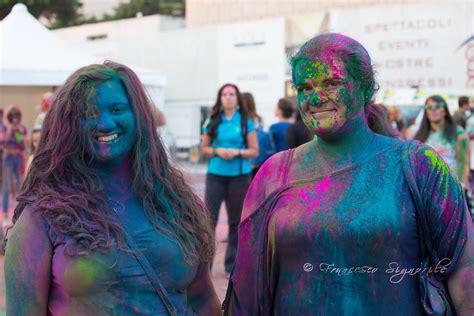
[32, 55]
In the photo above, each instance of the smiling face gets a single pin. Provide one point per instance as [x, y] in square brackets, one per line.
[112, 127]
[435, 111]
[328, 97]
[229, 98]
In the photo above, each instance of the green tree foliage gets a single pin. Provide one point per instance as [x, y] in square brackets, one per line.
[60, 12]
[63, 13]
[148, 7]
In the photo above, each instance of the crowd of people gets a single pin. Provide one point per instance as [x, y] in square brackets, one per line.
[324, 208]
[17, 148]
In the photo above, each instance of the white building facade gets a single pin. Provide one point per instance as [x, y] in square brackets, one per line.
[418, 49]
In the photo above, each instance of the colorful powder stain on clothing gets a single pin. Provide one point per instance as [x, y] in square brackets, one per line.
[114, 283]
[82, 275]
[329, 252]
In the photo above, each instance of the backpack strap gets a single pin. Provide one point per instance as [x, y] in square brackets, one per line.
[434, 293]
[284, 178]
[408, 155]
[243, 128]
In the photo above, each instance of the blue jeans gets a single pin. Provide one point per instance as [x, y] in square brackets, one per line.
[11, 168]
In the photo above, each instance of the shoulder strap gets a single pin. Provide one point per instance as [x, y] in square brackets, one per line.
[152, 275]
[287, 167]
[243, 126]
[408, 155]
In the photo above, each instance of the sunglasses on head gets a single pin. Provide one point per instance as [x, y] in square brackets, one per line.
[432, 107]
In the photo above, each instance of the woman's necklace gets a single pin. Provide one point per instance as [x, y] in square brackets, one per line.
[117, 205]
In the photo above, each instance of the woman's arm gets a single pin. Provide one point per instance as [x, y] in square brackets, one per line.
[462, 155]
[201, 294]
[449, 226]
[27, 267]
[252, 146]
[461, 281]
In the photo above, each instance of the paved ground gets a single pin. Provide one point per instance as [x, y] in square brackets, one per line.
[196, 176]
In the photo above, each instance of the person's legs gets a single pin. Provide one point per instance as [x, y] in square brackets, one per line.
[214, 195]
[7, 182]
[235, 196]
[1, 169]
[17, 173]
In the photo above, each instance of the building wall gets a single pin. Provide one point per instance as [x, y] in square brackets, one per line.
[208, 12]
[413, 45]
[196, 61]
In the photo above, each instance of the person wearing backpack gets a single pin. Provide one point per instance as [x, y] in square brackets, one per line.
[266, 147]
[229, 140]
[298, 134]
[284, 113]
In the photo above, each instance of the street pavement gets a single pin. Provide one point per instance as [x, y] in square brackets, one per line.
[195, 174]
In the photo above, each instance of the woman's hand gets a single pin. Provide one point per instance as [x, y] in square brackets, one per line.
[227, 153]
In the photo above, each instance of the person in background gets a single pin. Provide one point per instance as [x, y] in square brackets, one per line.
[266, 148]
[248, 102]
[44, 108]
[13, 155]
[414, 124]
[395, 118]
[439, 131]
[3, 130]
[34, 141]
[470, 133]
[166, 137]
[284, 113]
[463, 112]
[229, 140]
[159, 117]
[297, 134]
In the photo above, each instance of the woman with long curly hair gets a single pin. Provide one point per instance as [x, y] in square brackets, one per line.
[105, 225]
